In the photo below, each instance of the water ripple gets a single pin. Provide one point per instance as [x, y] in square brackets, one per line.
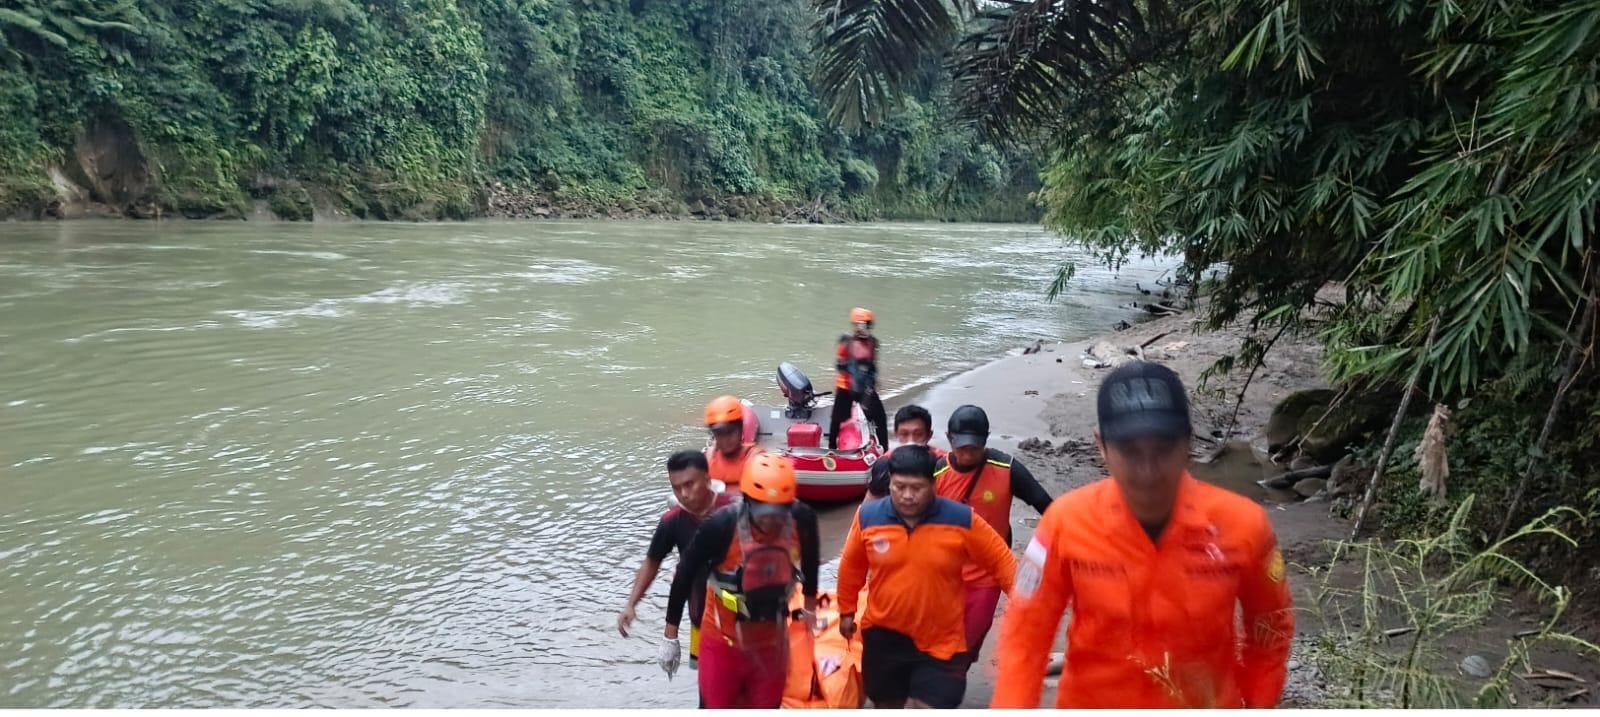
[391, 465]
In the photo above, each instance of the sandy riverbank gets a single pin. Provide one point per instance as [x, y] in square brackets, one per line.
[1050, 396]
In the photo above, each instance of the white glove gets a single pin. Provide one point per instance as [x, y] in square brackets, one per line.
[670, 656]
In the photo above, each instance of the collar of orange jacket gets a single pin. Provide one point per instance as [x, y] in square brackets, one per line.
[1184, 512]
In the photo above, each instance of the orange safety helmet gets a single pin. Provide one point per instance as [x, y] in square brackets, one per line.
[768, 478]
[724, 409]
[859, 315]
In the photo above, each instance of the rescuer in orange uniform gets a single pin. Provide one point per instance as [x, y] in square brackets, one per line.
[910, 552]
[1154, 565]
[987, 480]
[751, 555]
[728, 452]
[857, 379]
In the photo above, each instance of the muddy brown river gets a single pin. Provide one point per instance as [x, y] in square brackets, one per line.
[352, 465]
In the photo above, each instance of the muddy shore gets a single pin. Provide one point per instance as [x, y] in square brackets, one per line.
[1049, 396]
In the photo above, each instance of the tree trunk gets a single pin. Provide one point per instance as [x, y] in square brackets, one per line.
[1575, 360]
[1394, 433]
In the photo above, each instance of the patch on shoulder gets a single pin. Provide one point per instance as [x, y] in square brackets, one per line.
[1031, 569]
[1275, 566]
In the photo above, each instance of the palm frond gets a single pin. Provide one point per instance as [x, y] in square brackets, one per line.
[867, 49]
[1026, 63]
[31, 24]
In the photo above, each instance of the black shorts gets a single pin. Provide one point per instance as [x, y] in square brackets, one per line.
[893, 669]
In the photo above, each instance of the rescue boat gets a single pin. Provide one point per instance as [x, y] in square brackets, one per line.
[798, 429]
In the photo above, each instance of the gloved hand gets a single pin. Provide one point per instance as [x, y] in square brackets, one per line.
[809, 614]
[670, 656]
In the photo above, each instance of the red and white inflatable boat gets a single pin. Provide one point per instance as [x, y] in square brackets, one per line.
[798, 430]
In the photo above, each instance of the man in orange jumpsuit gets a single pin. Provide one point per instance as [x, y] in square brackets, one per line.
[726, 455]
[910, 551]
[1154, 564]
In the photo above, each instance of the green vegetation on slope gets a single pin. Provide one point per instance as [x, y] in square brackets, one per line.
[413, 108]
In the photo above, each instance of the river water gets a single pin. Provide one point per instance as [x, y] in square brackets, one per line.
[415, 465]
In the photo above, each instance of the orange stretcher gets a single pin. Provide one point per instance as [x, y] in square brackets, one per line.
[824, 668]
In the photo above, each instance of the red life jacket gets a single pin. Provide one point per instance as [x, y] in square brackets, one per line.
[748, 593]
[858, 357]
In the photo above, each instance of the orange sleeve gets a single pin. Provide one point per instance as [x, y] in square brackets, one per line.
[1033, 616]
[1268, 623]
[990, 551]
[852, 568]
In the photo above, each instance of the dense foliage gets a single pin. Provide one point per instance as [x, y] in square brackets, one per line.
[1432, 159]
[409, 108]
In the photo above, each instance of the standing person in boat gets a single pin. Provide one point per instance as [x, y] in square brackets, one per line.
[857, 379]
[750, 556]
[911, 552]
[913, 426]
[1177, 588]
[988, 480]
[698, 496]
[728, 452]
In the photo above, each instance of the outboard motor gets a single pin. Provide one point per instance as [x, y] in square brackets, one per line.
[797, 389]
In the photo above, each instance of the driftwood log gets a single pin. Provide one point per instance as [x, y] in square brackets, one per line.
[1287, 480]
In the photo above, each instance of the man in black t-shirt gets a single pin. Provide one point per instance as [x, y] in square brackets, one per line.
[697, 498]
[913, 426]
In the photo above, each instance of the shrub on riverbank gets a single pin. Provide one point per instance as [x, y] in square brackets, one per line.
[1403, 625]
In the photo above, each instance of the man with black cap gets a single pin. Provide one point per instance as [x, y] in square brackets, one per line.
[987, 480]
[1155, 566]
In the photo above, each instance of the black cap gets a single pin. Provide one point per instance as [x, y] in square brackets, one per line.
[969, 426]
[1142, 399]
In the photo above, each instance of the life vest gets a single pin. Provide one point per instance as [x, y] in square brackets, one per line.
[987, 488]
[859, 358]
[752, 585]
[728, 470]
